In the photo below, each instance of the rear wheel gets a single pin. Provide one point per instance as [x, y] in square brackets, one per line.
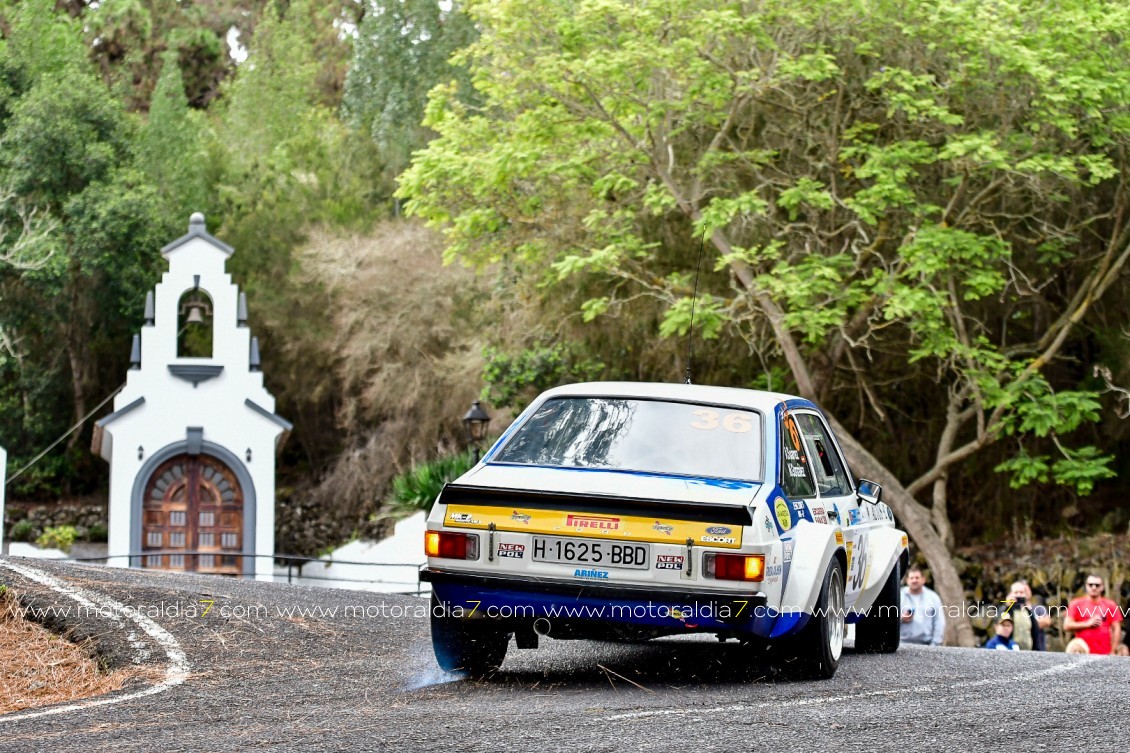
[879, 631]
[472, 647]
[821, 643]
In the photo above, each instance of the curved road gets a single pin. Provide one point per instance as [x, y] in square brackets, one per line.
[288, 668]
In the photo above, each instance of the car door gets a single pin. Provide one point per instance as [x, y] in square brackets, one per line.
[835, 497]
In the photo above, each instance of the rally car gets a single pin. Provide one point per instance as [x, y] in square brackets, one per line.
[631, 510]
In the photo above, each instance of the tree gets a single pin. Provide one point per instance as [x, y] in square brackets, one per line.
[905, 202]
[401, 51]
[171, 148]
[66, 153]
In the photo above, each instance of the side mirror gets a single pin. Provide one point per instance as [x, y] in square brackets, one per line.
[869, 491]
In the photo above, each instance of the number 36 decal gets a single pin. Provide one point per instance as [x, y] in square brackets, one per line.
[738, 423]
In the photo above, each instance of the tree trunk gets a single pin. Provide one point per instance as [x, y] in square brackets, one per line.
[916, 519]
[77, 351]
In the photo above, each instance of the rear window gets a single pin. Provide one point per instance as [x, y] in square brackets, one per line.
[651, 436]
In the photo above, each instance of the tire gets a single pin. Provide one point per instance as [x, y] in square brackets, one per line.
[879, 632]
[820, 644]
[471, 647]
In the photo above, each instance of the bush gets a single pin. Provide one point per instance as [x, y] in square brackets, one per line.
[22, 531]
[57, 537]
[98, 533]
[418, 489]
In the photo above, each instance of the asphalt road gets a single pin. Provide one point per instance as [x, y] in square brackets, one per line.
[287, 668]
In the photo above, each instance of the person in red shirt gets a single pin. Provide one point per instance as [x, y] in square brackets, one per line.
[1095, 619]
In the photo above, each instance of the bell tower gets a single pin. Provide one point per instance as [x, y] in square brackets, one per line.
[193, 437]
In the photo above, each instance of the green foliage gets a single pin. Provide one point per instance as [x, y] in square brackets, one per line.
[170, 149]
[66, 157]
[1079, 469]
[65, 134]
[706, 312]
[43, 41]
[884, 184]
[419, 488]
[57, 537]
[513, 379]
[22, 531]
[402, 50]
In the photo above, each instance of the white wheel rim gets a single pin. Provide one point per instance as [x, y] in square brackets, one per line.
[836, 616]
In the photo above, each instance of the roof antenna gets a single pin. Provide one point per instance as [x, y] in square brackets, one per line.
[694, 299]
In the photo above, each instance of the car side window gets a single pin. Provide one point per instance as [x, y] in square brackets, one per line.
[831, 478]
[796, 476]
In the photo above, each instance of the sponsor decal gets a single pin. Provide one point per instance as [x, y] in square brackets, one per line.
[717, 539]
[787, 550]
[860, 576]
[784, 517]
[515, 551]
[904, 542]
[768, 524]
[668, 562]
[839, 538]
[798, 505]
[677, 613]
[818, 515]
[849, 545]
[592, 523]
[592, 574]
[719, 531]
[583, 524]
[854, 518]
[774, 571]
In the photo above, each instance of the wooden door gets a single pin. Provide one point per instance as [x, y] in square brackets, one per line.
[192, 518]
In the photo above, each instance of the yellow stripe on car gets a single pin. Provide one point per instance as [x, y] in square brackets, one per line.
[594, 525]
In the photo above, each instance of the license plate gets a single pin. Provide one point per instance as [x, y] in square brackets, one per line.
[589, 552]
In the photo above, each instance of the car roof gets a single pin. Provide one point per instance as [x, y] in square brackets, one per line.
[755, 399]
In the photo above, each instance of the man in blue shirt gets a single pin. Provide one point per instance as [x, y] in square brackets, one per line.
[923, 621]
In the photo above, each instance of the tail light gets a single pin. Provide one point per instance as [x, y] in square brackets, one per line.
[452, 546]
[734, 566]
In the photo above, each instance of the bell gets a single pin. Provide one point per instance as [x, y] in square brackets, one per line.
[195, 314]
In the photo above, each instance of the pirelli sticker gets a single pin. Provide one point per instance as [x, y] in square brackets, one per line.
[594, 525]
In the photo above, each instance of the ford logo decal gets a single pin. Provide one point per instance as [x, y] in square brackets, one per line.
[718, 530]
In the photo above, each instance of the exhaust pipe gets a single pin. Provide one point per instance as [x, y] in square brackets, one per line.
[542, 626]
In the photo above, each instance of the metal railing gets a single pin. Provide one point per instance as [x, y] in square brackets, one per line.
[290, 561]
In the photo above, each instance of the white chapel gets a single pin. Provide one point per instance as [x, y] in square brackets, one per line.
[193, 436]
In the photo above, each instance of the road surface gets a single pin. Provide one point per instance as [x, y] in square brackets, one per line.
[260, 666]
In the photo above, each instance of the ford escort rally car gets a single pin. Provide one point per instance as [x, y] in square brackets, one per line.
[631, 510]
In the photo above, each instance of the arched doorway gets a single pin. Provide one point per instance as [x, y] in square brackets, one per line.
[194, 504]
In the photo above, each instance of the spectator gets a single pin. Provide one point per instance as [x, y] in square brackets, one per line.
[922, 618]
[1030, 619]
[1003, 641]
[1076, 646]
[1043, 620]
[1094, 619]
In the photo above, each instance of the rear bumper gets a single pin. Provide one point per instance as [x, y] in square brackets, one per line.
[498, 597]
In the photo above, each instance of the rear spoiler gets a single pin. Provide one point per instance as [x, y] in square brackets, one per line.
[699, 512]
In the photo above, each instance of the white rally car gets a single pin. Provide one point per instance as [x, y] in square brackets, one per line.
[629, 510]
